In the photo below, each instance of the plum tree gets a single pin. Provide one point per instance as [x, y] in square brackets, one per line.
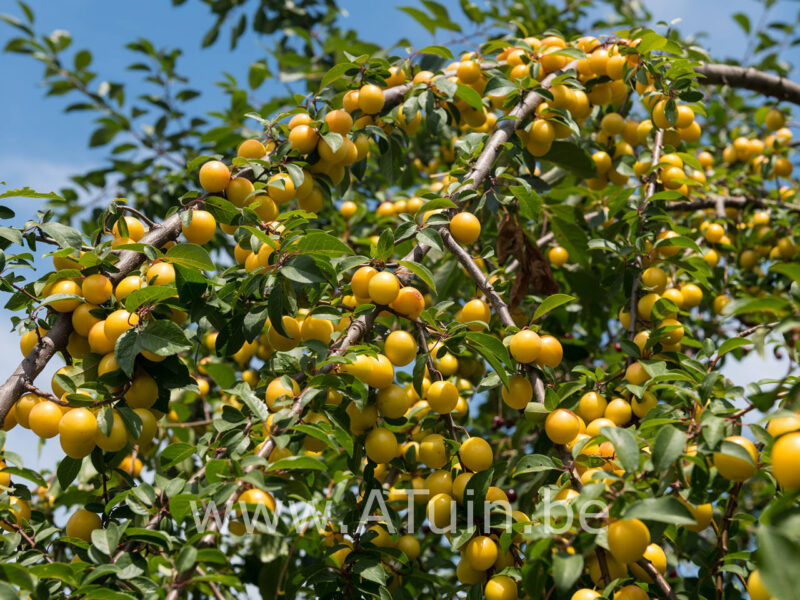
[455, 283]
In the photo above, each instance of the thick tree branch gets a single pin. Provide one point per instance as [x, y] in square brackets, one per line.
[478, 276]
[56, 339]
[750, 79]
[396, 94]
[728, 201]
[505, 129]
[36, 360]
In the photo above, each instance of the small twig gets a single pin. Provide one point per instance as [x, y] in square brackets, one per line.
[742, 334]
[191, 423]
[48, 240]
[569, 463]
[601, 560]
[138, 213]
[722, 541]
[650, 189]
[213, 586]
[662, 583]
[32, 543]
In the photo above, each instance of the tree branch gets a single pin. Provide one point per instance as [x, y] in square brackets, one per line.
[750, 79]
[650, 189]
[36, 360]
[506, 129]
[728, 201]
[56, 339]
[722, 541]
[662, 583]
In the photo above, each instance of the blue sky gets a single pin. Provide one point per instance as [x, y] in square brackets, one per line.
[42, 146]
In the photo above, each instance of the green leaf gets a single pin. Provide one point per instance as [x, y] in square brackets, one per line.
[198, 161]
[106, 540]
[385, 247]
[54, 571]
[478, 484]
[336, 72]
[27, 192]
[572, 157]
[320, 242]
[82, 59]
[68, 469]
[334, 140]
[303, 270]
[743, 20]
[551, 303]
[420, 17]
[11, 234]
[66, 236]
[105, 420]
[567, 568]
[791, 270]
[190, 256]
[222, 374]
[533, 463]
[418, 373]
[770, 304]
[430, 237]
[28, 474]
[175, 453]
[297, 462]
[132, 421]
[679, 241]
[102, 136]
[435, 204]
[668, 447]
[442, 51]
[666, 509]
[180, 506]
[470, 96]
[571, 52]
[18, 576]
[191, 284]
[257, 74]
[651, 41]
[257, 406]
[420, 271]
[732, 344]
[572, 237]
[8, 592]
[148, 295]
[161, 337]
[186, 558]
[774, 555]
[148, 535]
[439, 11]
[371, 570]
[735, 450]
[493, 351]
[625, 445]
